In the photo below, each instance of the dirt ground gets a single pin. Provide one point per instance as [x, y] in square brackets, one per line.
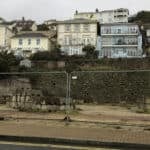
[86, 114]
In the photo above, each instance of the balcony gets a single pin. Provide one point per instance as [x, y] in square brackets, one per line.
[119, 32]
[121, 44]
[111, 45]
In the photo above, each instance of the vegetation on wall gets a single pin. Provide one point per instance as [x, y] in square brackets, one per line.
[142, 16]
[110, 87]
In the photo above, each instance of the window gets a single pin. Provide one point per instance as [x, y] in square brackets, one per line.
[29, 41]
[20, 41]
[68, 40]
[86, 28]
[77, 28]
[119, 31]
[68, 28]
[38, 42]
[88, 41]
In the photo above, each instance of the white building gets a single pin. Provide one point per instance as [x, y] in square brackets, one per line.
[25, 44]
[52, 24]
[106, 16]
[120, 40]
[5, 35]
[148, 38]
[74, 34]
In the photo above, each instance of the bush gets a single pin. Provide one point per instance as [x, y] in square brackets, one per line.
[54, 54]
[90, 51]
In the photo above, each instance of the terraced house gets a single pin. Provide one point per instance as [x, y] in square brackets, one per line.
[74, 34]
[120, 40]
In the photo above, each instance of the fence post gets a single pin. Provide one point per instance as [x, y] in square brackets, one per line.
[68, 97]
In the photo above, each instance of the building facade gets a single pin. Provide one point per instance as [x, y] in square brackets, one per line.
[25, 44]
[121, 40]
[148, 39]
[5, 35]
[73, 35]
[52, 24]
[106, 16]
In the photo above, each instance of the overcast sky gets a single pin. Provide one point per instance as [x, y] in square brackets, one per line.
[41, 10]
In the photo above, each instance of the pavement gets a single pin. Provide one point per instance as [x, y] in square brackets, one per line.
[129, 127]
[60, 130]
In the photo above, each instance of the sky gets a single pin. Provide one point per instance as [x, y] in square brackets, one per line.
[40, 10]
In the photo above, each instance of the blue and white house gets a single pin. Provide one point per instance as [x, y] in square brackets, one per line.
[120, 40]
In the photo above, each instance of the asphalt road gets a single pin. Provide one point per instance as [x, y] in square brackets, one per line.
[30, 147]
[21, 147]
[16, 147]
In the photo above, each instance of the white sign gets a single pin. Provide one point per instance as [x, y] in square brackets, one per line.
[74, 77]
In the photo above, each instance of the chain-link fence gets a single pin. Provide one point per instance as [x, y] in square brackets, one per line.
[49, 91]
[34, 91]
[113, 87]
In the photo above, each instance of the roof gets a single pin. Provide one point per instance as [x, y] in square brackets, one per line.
[23, 35]
[77, 21]
[7, 23]
[24, 23]
[5, 26]
[102, 11]
[2, 19]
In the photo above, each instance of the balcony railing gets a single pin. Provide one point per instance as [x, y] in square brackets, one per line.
[120, 33]
[119, 45]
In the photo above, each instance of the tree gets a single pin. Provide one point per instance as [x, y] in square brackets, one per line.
[7, 60]
[90, 51]
[142, 16]
[42, 27]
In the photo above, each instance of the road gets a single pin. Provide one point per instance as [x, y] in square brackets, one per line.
[23, 146]
[17, 147]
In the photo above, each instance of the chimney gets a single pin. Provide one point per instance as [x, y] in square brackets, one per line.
[97, 10]
[76, 12]
[23, 19]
